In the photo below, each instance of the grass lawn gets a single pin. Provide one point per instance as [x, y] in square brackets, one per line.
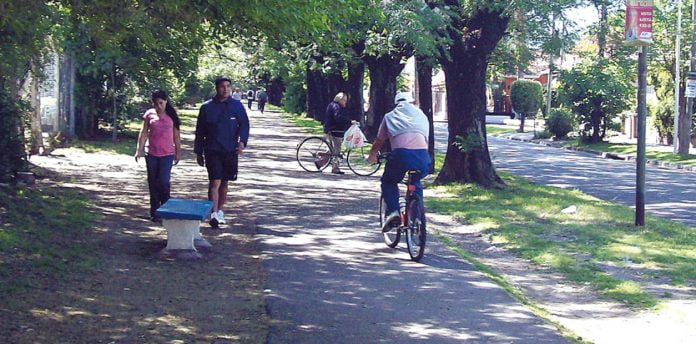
[128, 136]
[526, 218]
[301, 121]
[492, 129]
[127, 141]
[651, 153]
[42, 234]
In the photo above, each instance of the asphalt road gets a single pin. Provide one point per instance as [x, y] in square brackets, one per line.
[670, 194]
[330, 279]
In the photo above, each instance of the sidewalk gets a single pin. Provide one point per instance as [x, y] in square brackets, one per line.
[331, 279]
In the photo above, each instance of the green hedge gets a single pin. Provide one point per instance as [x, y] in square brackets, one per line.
[560, 122]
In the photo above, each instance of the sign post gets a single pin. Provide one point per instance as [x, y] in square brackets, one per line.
[638, 31]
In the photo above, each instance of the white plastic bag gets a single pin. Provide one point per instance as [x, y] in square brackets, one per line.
[354, 137]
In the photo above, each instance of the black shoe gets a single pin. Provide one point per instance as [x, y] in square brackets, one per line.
[214, 223]
[338, 172]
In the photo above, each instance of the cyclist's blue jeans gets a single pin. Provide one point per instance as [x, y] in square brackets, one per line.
[399, 162]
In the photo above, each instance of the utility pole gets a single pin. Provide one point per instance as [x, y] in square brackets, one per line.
[638, 31]
[677, 79]
[685, 119]
[642, 116]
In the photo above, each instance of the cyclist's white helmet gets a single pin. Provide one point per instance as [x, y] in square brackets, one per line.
[403, 97]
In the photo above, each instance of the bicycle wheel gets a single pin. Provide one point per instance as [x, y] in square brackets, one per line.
[357, 161]
[415, 231]
[313, 154]
[391, 238]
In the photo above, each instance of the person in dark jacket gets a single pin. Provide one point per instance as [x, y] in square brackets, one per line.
[261, 98]
[336, 122]
[222, 134]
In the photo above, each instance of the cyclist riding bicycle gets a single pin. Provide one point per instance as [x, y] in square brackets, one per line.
[406, 127]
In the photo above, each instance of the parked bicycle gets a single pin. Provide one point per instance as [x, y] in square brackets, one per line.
[314, 154]
[412, 219]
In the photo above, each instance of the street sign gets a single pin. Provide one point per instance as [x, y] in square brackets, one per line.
[639, 20]
[690, 91]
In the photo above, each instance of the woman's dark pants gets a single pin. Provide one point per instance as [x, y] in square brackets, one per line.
[159, 170]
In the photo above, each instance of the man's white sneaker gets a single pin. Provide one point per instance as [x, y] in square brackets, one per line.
[220, 217]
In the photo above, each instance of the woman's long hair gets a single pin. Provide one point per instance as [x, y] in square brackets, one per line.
[169, 109]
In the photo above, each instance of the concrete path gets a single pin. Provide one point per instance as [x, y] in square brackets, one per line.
[669, 194]
[330, 279]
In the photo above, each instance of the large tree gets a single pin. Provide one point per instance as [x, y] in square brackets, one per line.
[476, 28]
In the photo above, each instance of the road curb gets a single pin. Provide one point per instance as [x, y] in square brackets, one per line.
[667, 165]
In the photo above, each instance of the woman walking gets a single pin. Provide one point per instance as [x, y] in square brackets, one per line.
[161, 132]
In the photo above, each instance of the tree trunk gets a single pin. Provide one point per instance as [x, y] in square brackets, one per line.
[465, 81]
[354, 88]
[522, 117]
[321, 90]
[383, 72]
[275, 92]
[603, 29]
[114, 124]
[35, 117]
[353, 85]
[314, 94]
[424, 71]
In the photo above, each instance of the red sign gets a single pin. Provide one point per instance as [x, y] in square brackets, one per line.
[639, 19]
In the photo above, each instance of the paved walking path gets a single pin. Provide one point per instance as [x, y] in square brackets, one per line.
[670, 194]
[330, 279]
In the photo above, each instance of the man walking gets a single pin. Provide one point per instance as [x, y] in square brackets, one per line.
[250, 98]
[222, 133]
[262, 98]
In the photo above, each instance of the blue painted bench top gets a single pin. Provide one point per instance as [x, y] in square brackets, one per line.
[185, 209]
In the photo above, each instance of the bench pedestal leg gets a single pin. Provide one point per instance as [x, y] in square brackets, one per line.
[180, 238]
[199, 242]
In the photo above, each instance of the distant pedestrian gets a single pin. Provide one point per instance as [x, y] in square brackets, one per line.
[237, 94]
[262, 98]
[161, 132]
[250, 98]
[336, 122]
[222, 133]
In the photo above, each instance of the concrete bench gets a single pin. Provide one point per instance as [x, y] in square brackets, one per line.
[182, 219]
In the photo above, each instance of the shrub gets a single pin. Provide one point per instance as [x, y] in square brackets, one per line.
[560, 123]
[542, 135]
[295, 98]
[13, 157]
[597, 92]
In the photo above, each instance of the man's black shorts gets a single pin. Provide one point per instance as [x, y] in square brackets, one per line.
[221, 165]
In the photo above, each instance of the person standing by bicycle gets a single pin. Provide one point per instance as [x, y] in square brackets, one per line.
[222, 133]
[336, 122]
[406, 127]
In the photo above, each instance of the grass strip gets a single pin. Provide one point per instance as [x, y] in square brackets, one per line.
[42, 234]
[630, 149]
[509, 288]
[492, 129]
[585, 245]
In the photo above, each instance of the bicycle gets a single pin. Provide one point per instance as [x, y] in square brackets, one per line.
[314, 154]
[413, 223]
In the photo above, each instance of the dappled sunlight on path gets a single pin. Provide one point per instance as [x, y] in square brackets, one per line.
[331, 279]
